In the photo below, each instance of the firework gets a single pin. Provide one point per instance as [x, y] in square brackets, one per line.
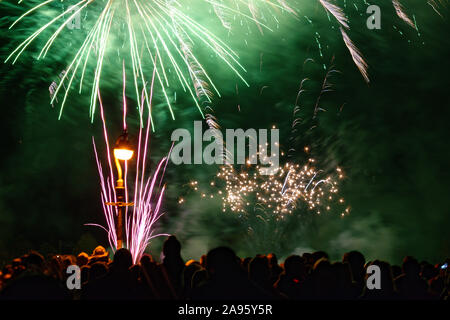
[436, 4]
[401, 13]
[148, 191]
[292, 187]
[336, 11]
[356, 55]
[162, 35]
[157, 34]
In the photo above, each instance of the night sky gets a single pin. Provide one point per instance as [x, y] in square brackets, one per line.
[391, 138]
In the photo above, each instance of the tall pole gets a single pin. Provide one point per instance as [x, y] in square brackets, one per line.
[120, 192]
[122, 151]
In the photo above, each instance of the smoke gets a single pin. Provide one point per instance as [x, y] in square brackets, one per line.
[369, 235]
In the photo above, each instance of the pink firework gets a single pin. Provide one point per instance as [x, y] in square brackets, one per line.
[147, 194]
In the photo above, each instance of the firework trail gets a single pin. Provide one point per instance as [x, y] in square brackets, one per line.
[163, 28]
[327, 86]
[357, 57]
[336, 11]
[150, 28]
[399, 10]
[148, 192]
[437, 4]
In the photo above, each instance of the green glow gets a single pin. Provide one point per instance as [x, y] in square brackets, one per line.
[167, 41]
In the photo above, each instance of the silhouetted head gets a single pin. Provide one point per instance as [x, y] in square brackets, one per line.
[99, 251]
[122, 260]
[148, 264]
[146, 259]
[221, 260]
[294, 266]
[354, 258]
[99, 254]
[356, 261]
[410, 266]
[34, 260]
[82, 259]
[259, 269]
[171, 246]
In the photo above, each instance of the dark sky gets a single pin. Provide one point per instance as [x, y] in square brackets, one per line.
[391, 137]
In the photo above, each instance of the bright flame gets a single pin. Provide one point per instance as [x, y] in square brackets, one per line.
[123, 154]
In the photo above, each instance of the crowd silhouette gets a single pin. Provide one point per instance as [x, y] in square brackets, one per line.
[219, 275]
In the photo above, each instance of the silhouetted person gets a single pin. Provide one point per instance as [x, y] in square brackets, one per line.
[173, 264]
[409, 284]
[99, 254]
[221, 275]
[439, 286]
[97, 270]
[226, 279]
[387, 289]
[323, 280]
[116, 284]
[291, 281]
[259, 273]
[153, 279]
[33, 284]
[345, 288]
[139, 282]
[189, 270]
[275, 269]
[356, 262]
